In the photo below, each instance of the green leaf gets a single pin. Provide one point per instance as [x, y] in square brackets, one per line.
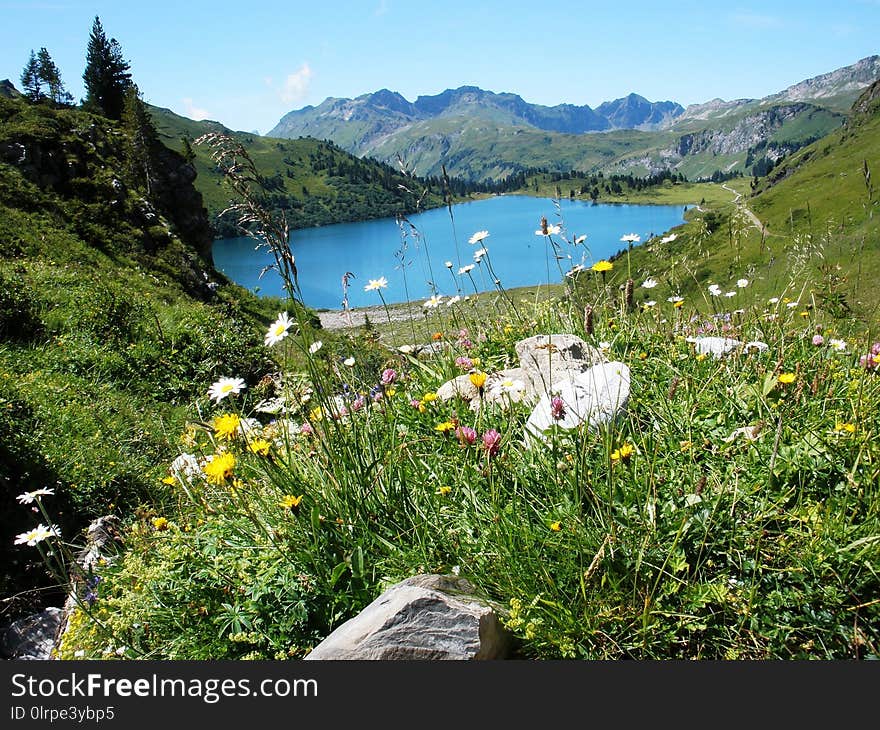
[337, 573]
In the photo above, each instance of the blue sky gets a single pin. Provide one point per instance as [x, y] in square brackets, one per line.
[247, 64]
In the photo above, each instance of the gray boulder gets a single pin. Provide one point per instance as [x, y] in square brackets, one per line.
[549, 359]
[595, 397]
[430, 617]
[32, 637]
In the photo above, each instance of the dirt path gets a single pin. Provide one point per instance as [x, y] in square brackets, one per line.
[751, 216]
[339, 319]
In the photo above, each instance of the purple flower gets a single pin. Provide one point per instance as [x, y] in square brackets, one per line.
[818, 340]
[465, 435]
[492, 441]
[388, 376]
[557, 408]
[464, 363]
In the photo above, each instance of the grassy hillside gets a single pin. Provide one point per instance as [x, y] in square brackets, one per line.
[314, 182]
[821, 231]
[109, 321]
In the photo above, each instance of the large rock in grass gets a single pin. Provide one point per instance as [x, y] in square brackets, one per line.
[32, 637]
[550, 359]
[595, 397]
[424, 617]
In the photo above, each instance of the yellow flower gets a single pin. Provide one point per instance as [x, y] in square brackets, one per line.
[623, 453]
[260, 446]
[848, 427]
[316, 414]
[160, 524]
[787, 378]
[602, 266]
[643, 356]
[428, 397]
[685, 445]
[218, 469]
[478, 379]
[804, 314]
[169, 480]
[443, 491]
[444, 427]
[556, 526]
[476, 361]
[226, 426]
[288, 501]
[390, 391]
[678, 304]
[701, 357]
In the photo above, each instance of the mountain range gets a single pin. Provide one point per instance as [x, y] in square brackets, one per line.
[481, 134]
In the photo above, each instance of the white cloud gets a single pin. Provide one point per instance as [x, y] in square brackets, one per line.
[296, 85]
[194, 112]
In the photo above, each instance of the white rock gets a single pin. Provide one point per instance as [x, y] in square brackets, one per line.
[716, 346]
[595, 397]
[549, 359]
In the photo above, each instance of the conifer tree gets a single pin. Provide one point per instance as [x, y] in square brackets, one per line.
[49, 74]
[30, 79]
[106, 75]
[141, 139]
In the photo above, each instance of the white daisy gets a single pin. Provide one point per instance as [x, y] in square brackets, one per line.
[278, 330]
[29, 497]
[453, 300]
[631, 238]
[551, 231]
[225, 386]
[839, 345]
[434, 301]
[464, 269]
[315, 346]
[479, 254]
[669, 239]
[715, 290]
[38, 534]
[742, 283]
[380, 283]
[348, 362]
[649, 283]
[478, 236]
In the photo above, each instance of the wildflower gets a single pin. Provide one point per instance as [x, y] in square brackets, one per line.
[226, 426]
[742, 283]
[448, 264]
[643, 356]
[38, 534]
[669, 239]
[649, 283]
[315, 346]
[556, 526]
[510, 387]
[675, 299]
[557, 408]
[818, 340]
[480, 253]
[492, 441]
[306, 429]
[787, 378]
[453, 300]
[478, 236]
[443, 491]
[715, 290]
[376, 284]
[288, 501]
[465, 269]
[730, 294]
[29, 497]
[871, 361]
[756, 345]
[792, 305]
[223, 387]
[478, 379]
[160, 524]
[548, 230]
[576, 269]
[219, 467]
[348, 362]
[804, 314]
[848, 427]
[389, 375]
[465, 435]
[580, 239]
[444, 427]
[623, 453]
[631, 238]
[429, 397]
[437, 336]
[278, 330]
[259, 447]
[838, 345]
[433, 302]
[604, 346]
[649, 304]
[602, 266]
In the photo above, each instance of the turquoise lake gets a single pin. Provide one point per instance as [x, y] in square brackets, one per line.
[412, 256]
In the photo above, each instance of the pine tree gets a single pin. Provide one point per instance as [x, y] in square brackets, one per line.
[30, 79]
[142, 138]
[106, 75]
[49, 74]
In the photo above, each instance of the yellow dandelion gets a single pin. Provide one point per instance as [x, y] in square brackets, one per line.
[428, 397]
[160, 524]
[288, 501]
[444, 427]
[260, 447]
[316, 414]
[602, 266]
[623, 453]
[848, 427]
[443, 491]
[556, 526]
[219, 468]
[478, 379]
[787, 378]
[169, 480]
[226, 426]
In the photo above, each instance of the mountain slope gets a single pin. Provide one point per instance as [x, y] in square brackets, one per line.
[466, 129]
